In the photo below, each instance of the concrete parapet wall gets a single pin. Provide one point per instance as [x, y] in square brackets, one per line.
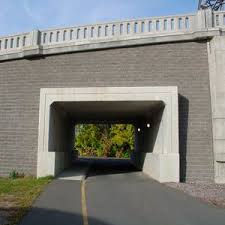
[200, 25]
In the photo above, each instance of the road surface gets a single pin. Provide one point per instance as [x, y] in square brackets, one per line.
[114, 193]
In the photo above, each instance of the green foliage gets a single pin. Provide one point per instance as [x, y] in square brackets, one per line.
[20, 185]
[100, 140]
[15, 175]
[123, 135]
[87, 139]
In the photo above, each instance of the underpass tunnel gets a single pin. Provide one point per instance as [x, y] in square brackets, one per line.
[146, 116]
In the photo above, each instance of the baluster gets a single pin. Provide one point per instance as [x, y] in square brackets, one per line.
[187, 23]
[179, 23]
[109, 30]
[165, 25]
[121, 29]
[217, 21]
[6, 44]
[136, 27]
[92, 32]
[146, 26]
[221, 20]
[106, 31]
[113, 29]
[176, 24]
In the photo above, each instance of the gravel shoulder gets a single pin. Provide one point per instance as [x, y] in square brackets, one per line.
[210, 193]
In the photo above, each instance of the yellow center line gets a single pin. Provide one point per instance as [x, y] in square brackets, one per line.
[84, 203]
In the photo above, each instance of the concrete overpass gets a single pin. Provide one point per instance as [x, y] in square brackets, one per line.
[166, 71]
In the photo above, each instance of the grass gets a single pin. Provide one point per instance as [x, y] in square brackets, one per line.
[17, 196]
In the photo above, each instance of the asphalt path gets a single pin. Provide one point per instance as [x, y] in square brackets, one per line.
[114, 193]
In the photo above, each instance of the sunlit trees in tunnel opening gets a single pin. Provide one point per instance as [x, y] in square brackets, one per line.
[104, 140]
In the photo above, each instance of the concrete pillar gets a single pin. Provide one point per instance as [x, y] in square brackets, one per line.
[204, 19]
[216, 53]
[35, 37]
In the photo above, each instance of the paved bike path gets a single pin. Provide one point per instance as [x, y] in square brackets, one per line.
[115, 194]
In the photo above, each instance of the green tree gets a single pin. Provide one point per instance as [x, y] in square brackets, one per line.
[105, 140]
[87, 139]
[122, 136]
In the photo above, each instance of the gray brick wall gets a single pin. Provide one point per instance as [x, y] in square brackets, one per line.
[181, 64]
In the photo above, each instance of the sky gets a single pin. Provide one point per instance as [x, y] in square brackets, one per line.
[17, 16]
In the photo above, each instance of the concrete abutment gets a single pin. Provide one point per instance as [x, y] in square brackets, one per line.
[157, 151]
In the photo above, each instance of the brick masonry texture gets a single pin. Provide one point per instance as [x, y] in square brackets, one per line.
[179, 64]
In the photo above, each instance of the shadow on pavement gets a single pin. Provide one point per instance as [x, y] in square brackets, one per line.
[109, 166]
[44, 216]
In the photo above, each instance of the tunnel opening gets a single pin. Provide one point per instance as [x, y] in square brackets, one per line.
[154, 121]
[143, 116]
[107, 147]
[104, 140]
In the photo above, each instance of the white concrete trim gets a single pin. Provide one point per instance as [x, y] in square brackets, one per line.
[168, 95]
[162, 167]
[216, 57]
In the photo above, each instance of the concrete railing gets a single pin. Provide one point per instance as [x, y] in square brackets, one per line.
[15, 42]
[36, 41]
[219, 19]
[152, 26]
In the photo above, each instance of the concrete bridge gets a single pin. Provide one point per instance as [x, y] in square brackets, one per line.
[165, 75]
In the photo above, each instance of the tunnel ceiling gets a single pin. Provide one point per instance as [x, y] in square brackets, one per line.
[130, 111]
